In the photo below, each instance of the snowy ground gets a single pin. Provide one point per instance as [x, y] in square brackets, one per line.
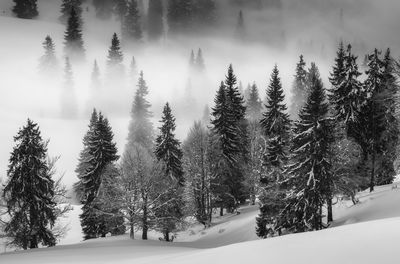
[364, 233]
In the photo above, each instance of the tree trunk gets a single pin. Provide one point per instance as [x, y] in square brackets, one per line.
[372, 182]
[166, 236]
[145, 226]
[330, 213]
[131, 220]
[221, 211]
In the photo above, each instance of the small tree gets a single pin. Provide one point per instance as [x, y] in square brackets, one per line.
[48, 62]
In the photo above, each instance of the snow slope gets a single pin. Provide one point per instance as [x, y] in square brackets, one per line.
[356, 235]
[367, 243]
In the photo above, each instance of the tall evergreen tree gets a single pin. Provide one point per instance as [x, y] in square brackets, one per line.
[309, 169]
[67, 6]
[29, 192]
[155, 23]
[48, 62]
[132, 28]
[100, 152]
[25, 9]
[275, 126]
[168, 147]
[299, 91]
[141, 128]
[73, 41]
[391, 136]
[373, 113]
[168, 151]
[230, 130]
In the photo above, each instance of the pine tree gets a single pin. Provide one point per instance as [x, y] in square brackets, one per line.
[73, 44]
[48, 62]
[25, 9]
[132, 28]
[168, 147]
[346, 90]
[168, 151]
[141, 128]
[299, 91]
[390, 138]
[100, 151]
[230, 130]
[84, 157]
[29, 192]
[309, 169]
[115, 56]
[254, 105]
[200, 66]
[67, 6]
[133, 69]
[373, 114]
[275, 126]
[95, 77]
[155, 23]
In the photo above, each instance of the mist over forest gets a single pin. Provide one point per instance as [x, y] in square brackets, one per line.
[276, 33]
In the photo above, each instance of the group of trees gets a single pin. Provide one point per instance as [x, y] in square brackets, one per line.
[344, 139]
[341, 140]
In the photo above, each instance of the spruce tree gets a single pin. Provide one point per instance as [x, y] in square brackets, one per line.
[48, 62]
[115, 56]
[141, 128]
[309, 168]
[230, 129]
[254, 105]
[73, 42]
[155, 24]
[67, 6]
[169, 153]
[25, 9]
[99, 151]
[132, 28]
[390, 138]
[346, 90]
[29, 192]
[373, 114]
[200, 66]
[168, 147]
[275, 126]
[299, 91]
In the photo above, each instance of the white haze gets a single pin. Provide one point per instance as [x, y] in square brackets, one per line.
[312, 28]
